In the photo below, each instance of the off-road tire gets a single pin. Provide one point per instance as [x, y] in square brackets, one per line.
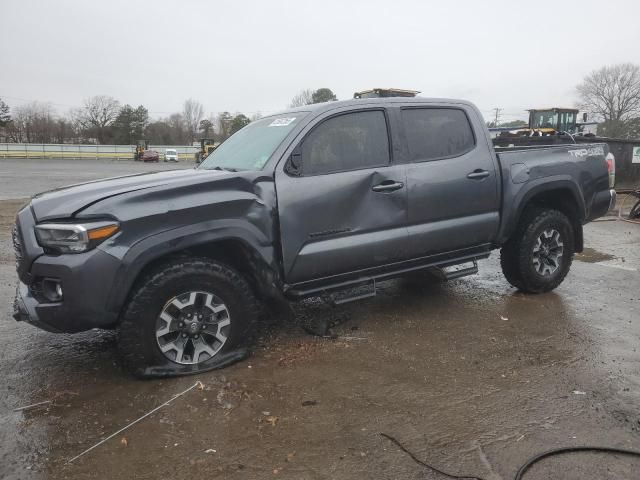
[137, 342]
[516, 256]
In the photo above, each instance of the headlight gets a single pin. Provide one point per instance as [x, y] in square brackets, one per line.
[74, 238]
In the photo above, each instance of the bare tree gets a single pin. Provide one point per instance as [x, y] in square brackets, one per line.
[33, 122]
[192, 113]
[97, 114]
[613, 94]
[305, 97]
[62, 130]
[179, 129]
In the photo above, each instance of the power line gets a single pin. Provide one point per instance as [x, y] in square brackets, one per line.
[31, 100]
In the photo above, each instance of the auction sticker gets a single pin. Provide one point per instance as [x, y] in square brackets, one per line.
[282, 122]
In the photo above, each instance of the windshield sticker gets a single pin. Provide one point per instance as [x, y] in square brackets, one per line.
[282, 122]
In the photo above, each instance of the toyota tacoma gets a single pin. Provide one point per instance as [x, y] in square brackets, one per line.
[311, 201]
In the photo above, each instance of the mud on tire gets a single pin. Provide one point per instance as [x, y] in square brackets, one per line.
[166, 296]
[521, 258]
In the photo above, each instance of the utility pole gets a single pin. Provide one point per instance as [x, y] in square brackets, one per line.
[497, 117]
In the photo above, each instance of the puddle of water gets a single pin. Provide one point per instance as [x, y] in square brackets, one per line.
[592, 255]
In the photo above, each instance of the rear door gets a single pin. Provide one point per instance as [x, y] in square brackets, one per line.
[451, 177]
[342, 201]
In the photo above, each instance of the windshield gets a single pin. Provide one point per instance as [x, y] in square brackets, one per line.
[170, 152]
[251, 147]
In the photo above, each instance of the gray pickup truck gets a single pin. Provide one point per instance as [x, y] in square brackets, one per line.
[307, 202]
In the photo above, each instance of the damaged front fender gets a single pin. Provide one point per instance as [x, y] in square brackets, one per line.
[208, 214]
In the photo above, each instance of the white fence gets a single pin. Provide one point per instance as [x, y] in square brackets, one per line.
[51, 150]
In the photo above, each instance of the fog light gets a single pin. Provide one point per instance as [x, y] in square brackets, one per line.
[52, 289]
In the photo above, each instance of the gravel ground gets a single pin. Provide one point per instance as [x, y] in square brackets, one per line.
[471, 376]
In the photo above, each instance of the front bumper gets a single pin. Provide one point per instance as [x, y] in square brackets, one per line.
[25, 310]
[86, 279]
[85, 284]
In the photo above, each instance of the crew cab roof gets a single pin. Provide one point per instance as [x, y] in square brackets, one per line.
[326, 106]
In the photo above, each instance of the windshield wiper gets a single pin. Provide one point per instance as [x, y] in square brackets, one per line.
[217, 167]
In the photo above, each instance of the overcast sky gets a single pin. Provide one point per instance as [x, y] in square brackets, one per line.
[253, 56]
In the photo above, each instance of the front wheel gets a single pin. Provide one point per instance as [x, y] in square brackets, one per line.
[538, 256]
[184, 316]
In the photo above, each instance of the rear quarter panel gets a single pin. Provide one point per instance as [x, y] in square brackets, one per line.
[526, 172]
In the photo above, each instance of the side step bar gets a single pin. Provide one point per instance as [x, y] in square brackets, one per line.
[458, 271]
[338, 299]
[448, 272]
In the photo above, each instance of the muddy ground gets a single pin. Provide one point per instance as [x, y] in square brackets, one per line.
[471, 376]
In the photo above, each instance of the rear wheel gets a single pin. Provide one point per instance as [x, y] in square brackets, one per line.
[184, 315]
[538, 256]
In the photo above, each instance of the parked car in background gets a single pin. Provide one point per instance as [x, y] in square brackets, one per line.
[170, 155]
[150, 156]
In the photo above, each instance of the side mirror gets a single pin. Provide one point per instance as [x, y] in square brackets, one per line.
[294, 164]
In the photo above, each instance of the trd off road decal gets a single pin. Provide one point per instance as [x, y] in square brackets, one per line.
[587, 152]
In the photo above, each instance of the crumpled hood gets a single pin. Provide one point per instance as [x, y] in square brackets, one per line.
[65, 202]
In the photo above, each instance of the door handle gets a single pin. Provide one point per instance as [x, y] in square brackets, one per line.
[478, 174]
[387, 186]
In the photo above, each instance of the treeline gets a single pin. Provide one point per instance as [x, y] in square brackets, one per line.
[103, 120]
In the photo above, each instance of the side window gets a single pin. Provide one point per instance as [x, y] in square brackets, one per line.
[351, 141]
[434, 133]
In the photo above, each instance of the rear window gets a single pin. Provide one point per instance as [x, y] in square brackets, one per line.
[437, 133]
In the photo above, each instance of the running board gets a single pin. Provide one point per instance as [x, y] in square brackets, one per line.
[459, 271]
[448, 273]
[338, 299]
[449, 269]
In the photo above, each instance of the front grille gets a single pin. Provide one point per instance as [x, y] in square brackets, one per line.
[17, 246]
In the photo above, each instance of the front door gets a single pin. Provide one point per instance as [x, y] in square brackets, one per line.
[342, 203]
